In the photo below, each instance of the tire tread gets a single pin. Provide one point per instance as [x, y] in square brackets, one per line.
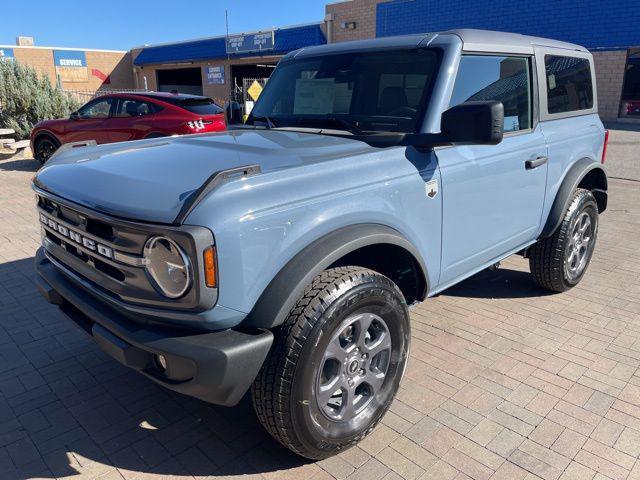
[271, 389]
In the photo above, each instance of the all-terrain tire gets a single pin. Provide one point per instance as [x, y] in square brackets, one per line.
[284, 392]
[549, 258]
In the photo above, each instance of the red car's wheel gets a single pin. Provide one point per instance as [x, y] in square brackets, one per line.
[44, 147]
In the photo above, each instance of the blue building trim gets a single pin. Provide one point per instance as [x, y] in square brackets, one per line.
[595, 24]
[286, 40]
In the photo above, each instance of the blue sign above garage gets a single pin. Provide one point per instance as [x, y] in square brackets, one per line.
[69, 58]
[251, 42]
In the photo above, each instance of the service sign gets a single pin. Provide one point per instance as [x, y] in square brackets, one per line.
[71, 65]
[251, 42]
[69, 58]
[215, 75]
[6, 54]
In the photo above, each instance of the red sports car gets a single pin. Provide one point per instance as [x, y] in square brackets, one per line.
[123, 116]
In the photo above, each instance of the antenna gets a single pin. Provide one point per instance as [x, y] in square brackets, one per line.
[226, 38]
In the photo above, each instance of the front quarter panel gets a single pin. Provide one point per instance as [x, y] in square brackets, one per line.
[262, 222]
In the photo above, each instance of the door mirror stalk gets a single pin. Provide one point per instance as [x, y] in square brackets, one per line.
[470, 123]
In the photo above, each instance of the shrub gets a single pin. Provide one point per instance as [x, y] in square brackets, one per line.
[27, 98]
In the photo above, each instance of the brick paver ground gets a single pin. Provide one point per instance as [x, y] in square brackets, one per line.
[505, 381]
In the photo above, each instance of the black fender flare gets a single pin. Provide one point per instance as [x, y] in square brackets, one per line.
[288, 285]
[572, 179]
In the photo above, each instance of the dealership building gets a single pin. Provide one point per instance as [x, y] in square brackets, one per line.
[220, 66]
[75, 69]
[235, 66]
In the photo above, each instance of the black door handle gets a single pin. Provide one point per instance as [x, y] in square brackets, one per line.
[535, 163]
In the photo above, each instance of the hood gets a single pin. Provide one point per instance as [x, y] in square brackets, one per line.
[150, 180]
[50, 123]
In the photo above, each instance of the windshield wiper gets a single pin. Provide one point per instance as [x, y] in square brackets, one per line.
[348, 125]
[270, 123]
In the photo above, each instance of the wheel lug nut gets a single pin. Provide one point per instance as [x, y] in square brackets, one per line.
[365, 355]
[350, 383]
[362, 371]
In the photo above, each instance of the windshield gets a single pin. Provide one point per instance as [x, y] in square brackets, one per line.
[359, 92]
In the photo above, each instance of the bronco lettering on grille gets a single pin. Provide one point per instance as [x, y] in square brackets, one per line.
[76, 237]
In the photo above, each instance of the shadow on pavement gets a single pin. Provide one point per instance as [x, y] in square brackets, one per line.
[500, 283]
[17, 162]
[66, 408]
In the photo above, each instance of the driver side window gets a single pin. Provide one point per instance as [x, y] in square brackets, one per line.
[96, 109]
[493, 77]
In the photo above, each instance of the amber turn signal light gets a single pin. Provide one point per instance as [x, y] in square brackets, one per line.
[210, 267]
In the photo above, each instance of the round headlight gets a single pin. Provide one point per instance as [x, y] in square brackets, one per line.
[168, 266]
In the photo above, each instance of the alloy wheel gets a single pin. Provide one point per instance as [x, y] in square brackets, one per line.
[354, 366]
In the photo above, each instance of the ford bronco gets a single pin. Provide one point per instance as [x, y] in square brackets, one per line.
[282, 256]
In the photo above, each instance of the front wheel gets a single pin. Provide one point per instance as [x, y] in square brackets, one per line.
[336, 363]
[44, 148]
[560, 261]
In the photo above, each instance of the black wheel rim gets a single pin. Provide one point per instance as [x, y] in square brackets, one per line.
[45, 149]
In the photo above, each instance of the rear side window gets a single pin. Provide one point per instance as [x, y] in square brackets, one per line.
[204, 106]
[493, 77]
[134, 108]
[569, 85]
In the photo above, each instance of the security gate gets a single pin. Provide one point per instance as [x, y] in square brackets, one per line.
[248, 93]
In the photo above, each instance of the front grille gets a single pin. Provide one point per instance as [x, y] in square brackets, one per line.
[107, 252]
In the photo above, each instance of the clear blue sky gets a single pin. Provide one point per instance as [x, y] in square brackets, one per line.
[121, 25]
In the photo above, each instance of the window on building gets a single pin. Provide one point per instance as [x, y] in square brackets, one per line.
[134, 108]
[491, 77]
[96, 109]
[569, 86]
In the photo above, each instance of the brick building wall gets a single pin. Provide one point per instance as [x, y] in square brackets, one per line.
[114, 64]
[362, 12]
[610, 67]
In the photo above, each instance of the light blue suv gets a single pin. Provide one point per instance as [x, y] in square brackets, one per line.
[283, 255]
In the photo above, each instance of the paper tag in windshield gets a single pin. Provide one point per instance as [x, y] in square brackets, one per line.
[313, 96]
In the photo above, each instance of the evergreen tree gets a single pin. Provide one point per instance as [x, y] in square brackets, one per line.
[27, 98]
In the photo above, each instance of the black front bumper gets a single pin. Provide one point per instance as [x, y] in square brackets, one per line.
[217, 367]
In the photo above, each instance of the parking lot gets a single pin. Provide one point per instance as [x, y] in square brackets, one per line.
[505, 380]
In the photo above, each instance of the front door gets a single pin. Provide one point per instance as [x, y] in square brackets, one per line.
[90, 122]
[492, 194]
[132, 120]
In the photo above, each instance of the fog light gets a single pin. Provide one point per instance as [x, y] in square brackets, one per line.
[161, 362]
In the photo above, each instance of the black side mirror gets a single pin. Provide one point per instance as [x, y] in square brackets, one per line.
[74, 116]
[474, 123]
[470, 123]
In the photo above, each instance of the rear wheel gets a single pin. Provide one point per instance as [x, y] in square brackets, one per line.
[44, 147]
[559, 262]
[336, 363]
